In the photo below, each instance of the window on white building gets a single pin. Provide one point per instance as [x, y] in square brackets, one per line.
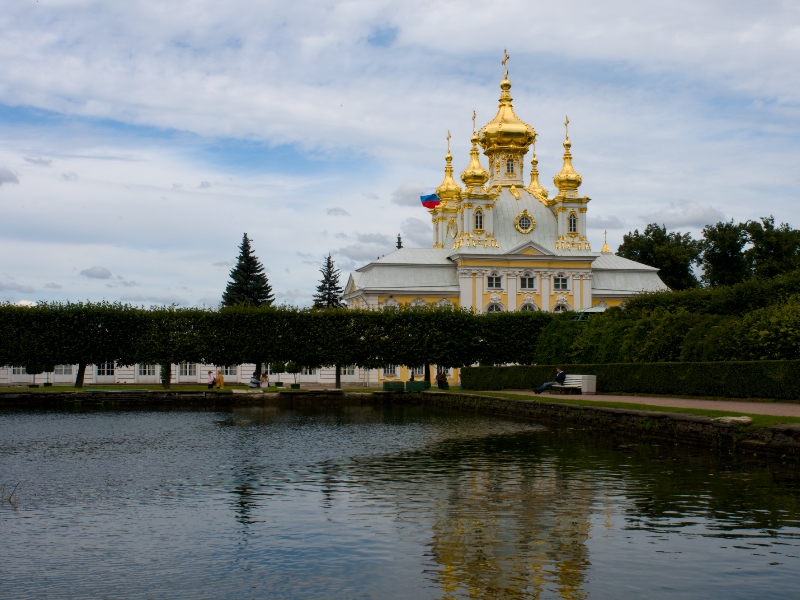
[494, 281]
[560, 283]
[63, 370]
[510, 166]
[527, 283]
[147, 370]
[229, 370]
[19, 371]
[349, 370]
[418, 371]
[188, 370]
[390, 370]
[309, 371]
[478, 219]
[105, 369]
[573, 223]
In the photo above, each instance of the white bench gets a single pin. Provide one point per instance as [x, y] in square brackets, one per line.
[577, 384]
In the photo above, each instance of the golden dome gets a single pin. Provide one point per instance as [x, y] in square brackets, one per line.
[567, 181]
[448, 190]
[506, 130]
[605, 249]
[535, 187]
[474, 175]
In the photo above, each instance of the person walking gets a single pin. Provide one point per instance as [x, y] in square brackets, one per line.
[441, 379]
[219, 380]
[211, 379]
[560, 377]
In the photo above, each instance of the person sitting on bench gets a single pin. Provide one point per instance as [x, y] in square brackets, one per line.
[560, 377]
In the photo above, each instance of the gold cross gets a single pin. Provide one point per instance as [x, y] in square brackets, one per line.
[473, 121]
[566, 125]
[448, 141]
[504, 61]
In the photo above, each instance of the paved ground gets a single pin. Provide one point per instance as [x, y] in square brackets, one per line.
[754, 408]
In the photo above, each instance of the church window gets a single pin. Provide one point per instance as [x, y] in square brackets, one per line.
[527, 283]
[494, 282]
[573, 223]
[105, 369]
[146, 371]
[527, 307]
[494, 308]
[559, 283]
[510, 166]
[559, 308]
[525, 222]
[478, 219]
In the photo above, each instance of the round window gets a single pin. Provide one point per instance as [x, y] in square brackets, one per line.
[525, 223]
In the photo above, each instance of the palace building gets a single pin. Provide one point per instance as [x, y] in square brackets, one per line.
[500, 244]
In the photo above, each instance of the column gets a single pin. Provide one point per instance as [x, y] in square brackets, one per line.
[479, 291]
[587, 290]
[465, 288]
[576, 291]
[511, 288]
[468, 218]
[544, 277]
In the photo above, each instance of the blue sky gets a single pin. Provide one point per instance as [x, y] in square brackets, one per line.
[144, 138]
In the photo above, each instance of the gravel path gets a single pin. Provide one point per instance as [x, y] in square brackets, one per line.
[778, 409]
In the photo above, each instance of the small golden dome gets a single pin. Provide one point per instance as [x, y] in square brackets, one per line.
[567, 181]
[535, 187]
[605, 249]
[448, 189]
[474, 175]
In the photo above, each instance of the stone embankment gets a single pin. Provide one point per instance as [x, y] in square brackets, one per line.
[727, 434]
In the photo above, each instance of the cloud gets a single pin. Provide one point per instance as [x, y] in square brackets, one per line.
[612, 222]
[211, 301]
[383, 37]
[163, 300]
[25, 303]
[408, 194]
[371, 196]
[7, 176]
[16, 287]
[53, 286]
[685, 213]
[204, 185]
[224, 263]
[380, 239]
[340, 236]
[337, 212]
[42, 162]
[418, 232]
[97, 273]
[69, 176]
[294, 296]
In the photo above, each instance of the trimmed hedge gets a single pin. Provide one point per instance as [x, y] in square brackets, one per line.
[779, 379]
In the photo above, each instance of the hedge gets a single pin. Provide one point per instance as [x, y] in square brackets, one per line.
[779, 379]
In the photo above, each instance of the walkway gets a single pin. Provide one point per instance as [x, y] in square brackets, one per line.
[778, 409]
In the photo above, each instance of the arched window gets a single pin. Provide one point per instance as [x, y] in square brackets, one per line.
[573, 223]
[559, 308]
[528, 307]
[479, 219]
[510, 166]
[494, 308]
[494, 281]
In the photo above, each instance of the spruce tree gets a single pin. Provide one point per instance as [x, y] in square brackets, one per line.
[329, 292]
[248, 283]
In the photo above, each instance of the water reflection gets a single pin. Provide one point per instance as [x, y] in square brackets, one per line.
[373, 502]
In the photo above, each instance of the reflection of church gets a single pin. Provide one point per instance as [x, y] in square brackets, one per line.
[500, 245]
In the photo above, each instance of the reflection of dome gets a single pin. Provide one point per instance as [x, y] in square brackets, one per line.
[506, 130]
[474, 175]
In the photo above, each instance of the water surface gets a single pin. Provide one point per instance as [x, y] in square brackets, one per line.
[368, 502]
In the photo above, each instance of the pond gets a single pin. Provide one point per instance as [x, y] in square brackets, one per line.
[375, 502]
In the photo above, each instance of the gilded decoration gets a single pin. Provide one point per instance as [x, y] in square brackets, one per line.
[448, 189]
[452, 227]
[605, 249]
[535, 188]
[567, 181]
[524, 222]
[474, 176]
[515, 192]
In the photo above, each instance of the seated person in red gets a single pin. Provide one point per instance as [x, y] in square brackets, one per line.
[560, 377]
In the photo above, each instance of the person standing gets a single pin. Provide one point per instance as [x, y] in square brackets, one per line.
[441, 379]
[560, 377]
[219, 381]
[211, 379]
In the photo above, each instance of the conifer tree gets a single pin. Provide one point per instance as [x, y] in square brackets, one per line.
[249, 284]
[329, 292]
[399, 242]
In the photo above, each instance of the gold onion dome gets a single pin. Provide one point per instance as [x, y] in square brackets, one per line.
[474, 175]
[448, 190]
[535, 187]
[567, 181]
[506, 130]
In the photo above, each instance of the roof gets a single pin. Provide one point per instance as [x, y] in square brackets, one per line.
[413, 256]
[614, 262]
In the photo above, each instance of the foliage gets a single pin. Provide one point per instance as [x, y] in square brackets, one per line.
[723, 259]
[249, 284]
[752, 379]
[775, 250]
[329, 292]
[672, 253]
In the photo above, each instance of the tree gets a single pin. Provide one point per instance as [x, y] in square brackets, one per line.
[774, 250]
[329, 292]
[672, 253]
[724, 260]
[249, 285]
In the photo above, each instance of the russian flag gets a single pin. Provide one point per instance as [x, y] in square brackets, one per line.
[429, 198]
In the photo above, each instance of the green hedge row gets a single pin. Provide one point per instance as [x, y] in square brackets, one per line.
[751, 379]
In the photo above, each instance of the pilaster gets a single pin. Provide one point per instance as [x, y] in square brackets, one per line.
[544, 277]
[511, 286]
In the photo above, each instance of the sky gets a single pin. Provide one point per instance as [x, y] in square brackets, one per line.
[140, 140]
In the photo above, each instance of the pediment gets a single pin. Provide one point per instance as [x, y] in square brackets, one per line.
[351, 285]
[531, 249]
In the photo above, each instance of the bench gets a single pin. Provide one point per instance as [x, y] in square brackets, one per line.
[577, 384]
